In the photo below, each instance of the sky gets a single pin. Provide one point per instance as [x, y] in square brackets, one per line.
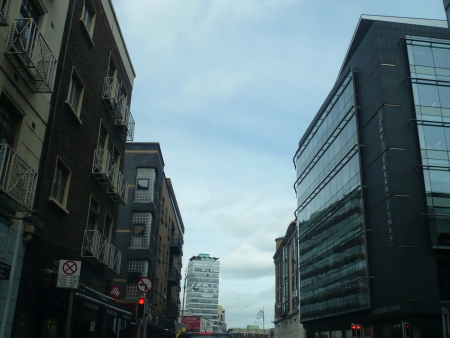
[228, 87]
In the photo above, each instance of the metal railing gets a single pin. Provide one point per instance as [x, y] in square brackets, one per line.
[28, 51]
[110, 94]
[118, 190]
[98, 249]
[124, 120]
[17, 179]
[5, 7]
[108, 175]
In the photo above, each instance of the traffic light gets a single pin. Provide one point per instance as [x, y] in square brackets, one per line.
[406, 329]
[356, 330]
[140, 311]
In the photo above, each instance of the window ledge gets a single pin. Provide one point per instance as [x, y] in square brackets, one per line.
[73, 111]
[87, 32]
[59, 205]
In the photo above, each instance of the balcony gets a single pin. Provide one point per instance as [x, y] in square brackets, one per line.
[30, 54]
[107, 173]
[17, 179]
[124, 121]
[116, 103]
[98, 250]
[5, 6]
[110, 95]
[175, 246]
[174, 278]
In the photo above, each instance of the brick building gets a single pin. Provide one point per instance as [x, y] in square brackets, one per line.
[80, 184]
[150, 236]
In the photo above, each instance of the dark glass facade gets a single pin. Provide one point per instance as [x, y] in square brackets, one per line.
[332, 248]
[429, 61]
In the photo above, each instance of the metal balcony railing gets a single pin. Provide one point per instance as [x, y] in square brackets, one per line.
[175, 245]
[5, 7]
[17, 179]
[107, 173]
[30, 54]
[110, 95]
[173, 278]
[118, 190]
[97, 249]
[125, 121]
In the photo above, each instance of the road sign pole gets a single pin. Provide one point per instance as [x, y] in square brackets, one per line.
[69, 314]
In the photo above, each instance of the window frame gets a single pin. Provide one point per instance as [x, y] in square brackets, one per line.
[65, 191]
[88, 8]
[75, 106]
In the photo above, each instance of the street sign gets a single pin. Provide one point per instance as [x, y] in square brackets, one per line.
[68, 274]
[114, 291]
[144, 285]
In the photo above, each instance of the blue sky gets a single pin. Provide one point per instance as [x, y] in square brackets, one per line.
[228, 87]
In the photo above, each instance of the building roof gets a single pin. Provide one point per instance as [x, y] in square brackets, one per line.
[365, 22]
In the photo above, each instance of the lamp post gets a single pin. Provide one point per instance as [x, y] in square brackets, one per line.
[189, 279]
[259, 315]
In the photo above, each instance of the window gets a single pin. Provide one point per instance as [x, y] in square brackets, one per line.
[28, 9]
[88, 17]
[112, 68]
[140, 233]
[103, 135]
[75, 94]
[9, 120]
[136, 269]
[107, 229]
[145, 182]
[94, 208]
[61, 180]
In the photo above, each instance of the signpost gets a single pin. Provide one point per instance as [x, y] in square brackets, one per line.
[69, 274]
[144, 285]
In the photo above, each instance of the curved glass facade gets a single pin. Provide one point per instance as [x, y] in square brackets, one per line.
[332, 248]
[429, 61]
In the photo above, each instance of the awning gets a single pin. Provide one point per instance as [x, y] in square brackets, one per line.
[103, 302]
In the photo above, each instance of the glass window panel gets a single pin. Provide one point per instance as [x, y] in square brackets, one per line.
[441, 57]
[444, 96]
[440, 181]
[434, 138]
[428, 95]
[423, 56]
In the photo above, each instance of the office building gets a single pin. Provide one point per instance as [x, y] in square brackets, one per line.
[204, 301]
[80, 184]
[287, 317]
[150, 236]
[373, 187]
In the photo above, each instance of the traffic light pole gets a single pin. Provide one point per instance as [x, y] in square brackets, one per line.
[139, 328]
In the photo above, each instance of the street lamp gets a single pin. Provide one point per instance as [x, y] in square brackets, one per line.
[188, 280]
[259, 315]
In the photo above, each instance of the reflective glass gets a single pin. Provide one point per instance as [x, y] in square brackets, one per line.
[434, 138]
[441, 57]
[428, 95]
[423, 56]
[444, 96]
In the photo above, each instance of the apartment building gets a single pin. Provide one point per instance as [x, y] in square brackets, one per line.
[80, 184]
[150, 235]
[31, 36]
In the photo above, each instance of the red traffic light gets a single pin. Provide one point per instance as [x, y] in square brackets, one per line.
[407, 326]
[141, 301]
[353, 327]
[358, 327]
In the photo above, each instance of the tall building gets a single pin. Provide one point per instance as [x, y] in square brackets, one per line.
[222, 324]
[80, 185]
[150, 235]
[287, 318]
[31, 36]
[373, 187]
[202, 297]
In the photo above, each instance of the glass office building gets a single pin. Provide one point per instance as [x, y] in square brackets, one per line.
[202, 292]
[373, 187]
[329, 214]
